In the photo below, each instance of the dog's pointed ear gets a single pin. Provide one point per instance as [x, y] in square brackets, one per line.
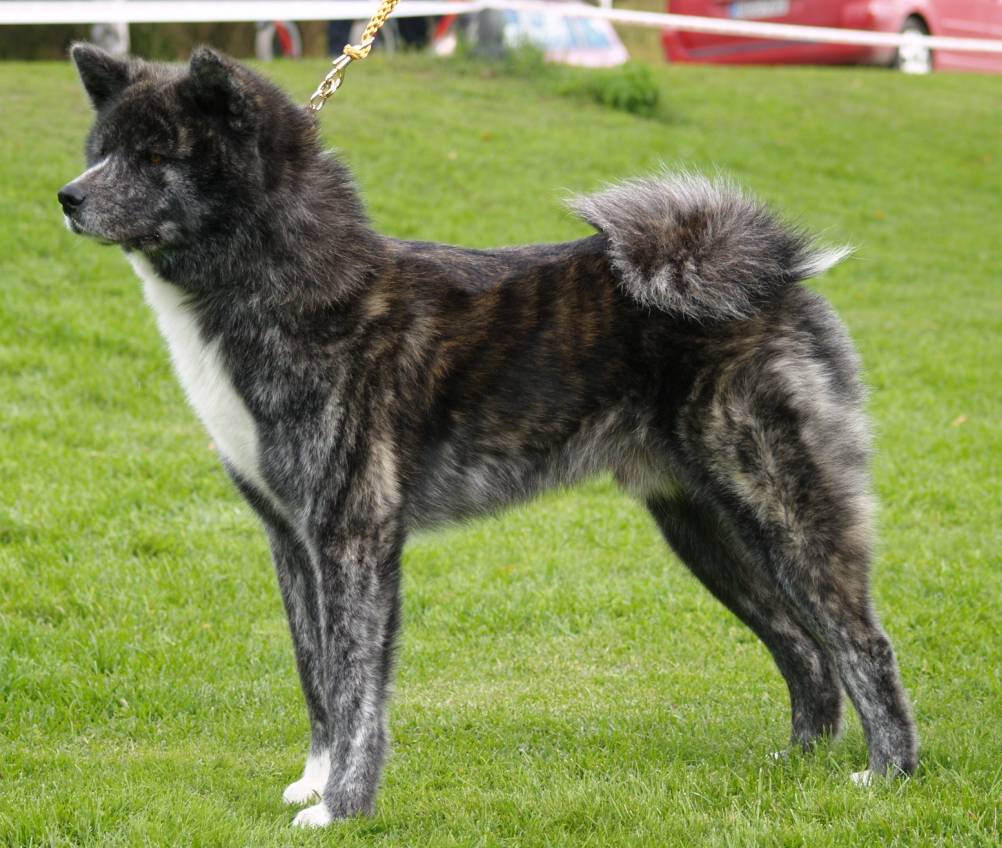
[220, 86]
[103, 76]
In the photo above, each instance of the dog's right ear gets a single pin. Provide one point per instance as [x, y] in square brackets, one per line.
[103, 76]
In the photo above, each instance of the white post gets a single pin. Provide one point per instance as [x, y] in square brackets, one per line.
[113, 37]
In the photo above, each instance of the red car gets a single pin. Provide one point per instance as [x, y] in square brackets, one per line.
[962, 18]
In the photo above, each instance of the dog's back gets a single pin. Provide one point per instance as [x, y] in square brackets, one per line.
[537, 366]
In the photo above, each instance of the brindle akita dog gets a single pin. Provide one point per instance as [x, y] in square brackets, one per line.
[359, 387]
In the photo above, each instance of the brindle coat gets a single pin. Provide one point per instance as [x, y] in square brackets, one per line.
[360, 387]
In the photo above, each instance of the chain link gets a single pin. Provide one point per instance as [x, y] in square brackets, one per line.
[351, 52]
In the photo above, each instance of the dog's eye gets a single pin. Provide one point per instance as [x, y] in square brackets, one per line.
[156, 159]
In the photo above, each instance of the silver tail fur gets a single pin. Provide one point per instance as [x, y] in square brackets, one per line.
[700, 249]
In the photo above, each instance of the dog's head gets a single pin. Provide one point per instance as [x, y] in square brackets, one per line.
[178, 152]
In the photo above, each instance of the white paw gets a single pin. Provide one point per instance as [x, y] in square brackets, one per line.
[311, 785]
[780, 756]
[303, 791]
[862, 778]
[316, 816]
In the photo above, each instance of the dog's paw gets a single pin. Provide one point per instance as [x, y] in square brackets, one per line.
[862, 778]
[780, 756]
[303, 791]
[316, 816]
[310, 787]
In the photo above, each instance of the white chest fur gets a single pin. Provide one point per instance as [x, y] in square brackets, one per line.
[204, 377]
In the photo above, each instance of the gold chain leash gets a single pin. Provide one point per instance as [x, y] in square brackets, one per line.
[332, 82]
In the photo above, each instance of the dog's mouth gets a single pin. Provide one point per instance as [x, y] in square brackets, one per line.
[130, 242]
[73, 225]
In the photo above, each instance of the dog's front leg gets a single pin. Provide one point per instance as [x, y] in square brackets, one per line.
[359, 613]
[299, 582]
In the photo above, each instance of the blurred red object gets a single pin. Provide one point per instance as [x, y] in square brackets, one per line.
[961, 18]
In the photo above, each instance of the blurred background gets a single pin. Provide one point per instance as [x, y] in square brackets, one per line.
[561, 35]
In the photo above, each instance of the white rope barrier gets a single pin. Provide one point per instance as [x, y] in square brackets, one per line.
[780, 32]
[196, 11]
[189, 11]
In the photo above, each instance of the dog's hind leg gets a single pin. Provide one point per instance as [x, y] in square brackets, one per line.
[784, 453]
[299, 584]
[748, 590]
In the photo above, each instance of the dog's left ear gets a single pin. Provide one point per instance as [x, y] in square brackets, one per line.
[221, 87]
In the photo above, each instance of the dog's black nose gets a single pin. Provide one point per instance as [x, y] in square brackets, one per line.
[70, 197]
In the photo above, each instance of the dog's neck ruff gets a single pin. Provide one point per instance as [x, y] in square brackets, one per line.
[206, 380]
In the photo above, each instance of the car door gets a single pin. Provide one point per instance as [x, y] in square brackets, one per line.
[721, 48]
[969, 19]
[992, 20]
[962, 18]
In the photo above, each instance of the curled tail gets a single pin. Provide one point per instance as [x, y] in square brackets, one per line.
[699, 248]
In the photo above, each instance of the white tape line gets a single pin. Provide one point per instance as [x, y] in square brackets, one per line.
[782, 32]
[195, 11]
[151, 11]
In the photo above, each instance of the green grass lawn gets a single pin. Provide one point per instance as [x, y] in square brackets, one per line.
[562, 680]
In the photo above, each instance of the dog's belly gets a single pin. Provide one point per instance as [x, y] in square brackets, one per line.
[205, 379]
[461, 483]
